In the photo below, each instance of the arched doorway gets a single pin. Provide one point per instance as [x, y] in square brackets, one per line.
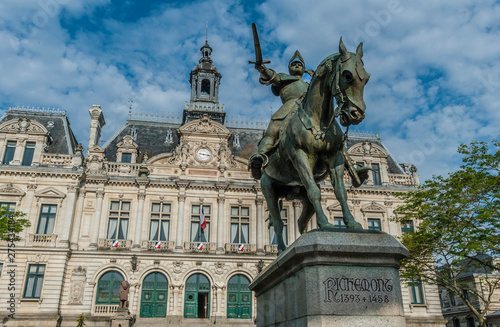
[154, 296]
[239, 298]
[108, 288]
[197, 300]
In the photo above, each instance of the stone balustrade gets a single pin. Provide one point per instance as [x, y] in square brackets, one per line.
[235, 248]
[42, 240]
[105, 309]
[164, 245]
[121, 169]
[400, 180]
[56, 160]
[206, 247]
[105, 243]
[271, 248]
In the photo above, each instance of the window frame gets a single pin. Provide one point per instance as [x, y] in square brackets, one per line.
[28, 154]
[36, 275]
[342, 225]
[195, 219]
[127, 155]
[407, 227]
[163, 216]
[416, 285]
[377, 178]
[109, 301]
[12, 153]
[119, 217]
[240, 221]
[372, 227]
[49, 215]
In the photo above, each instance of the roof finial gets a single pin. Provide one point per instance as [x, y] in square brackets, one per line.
[206, 32]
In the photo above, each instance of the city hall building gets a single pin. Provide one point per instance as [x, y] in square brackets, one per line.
[130, 209]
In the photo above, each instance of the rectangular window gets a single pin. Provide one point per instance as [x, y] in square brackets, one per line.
[47, 219]
[240, 224]
[34, 281]
[119, 214]
[452, 299]
[376, 174]
[374, 224]
[10, 149]
[9, 206]
[338, 222]
[127, 157]
[1, 267]
[197, 233]
[416, 292]
[272, 234]
[29, 150]
[407, 227]
[159, 225]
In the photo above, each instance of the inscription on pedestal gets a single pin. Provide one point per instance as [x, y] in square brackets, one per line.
[358, 290]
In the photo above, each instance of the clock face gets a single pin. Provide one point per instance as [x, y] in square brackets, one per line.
[203, 154]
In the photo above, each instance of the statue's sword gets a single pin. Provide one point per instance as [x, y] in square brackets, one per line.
[258, 52]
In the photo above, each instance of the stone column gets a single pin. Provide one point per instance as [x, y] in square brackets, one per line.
[68, 215]
[259, 223]
[18, 154]
[179, 239]
[220, 223]
[75, 234]
[94, 237]
[28, 206]
[296, 215]
[138, 224]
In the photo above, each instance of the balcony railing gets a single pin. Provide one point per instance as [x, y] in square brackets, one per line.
[201, 247]
[105, 309]
[271, 248]
[121, 169]
[105, 243]
[56, 160]
[240, 248]
[164, 245]
[42, 239]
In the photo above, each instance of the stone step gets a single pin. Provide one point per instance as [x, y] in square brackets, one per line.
[161, 322]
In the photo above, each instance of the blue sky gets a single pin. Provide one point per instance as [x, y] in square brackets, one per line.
[435, 65]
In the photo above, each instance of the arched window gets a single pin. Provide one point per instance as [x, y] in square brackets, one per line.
[197, 300]
[205, 86]
[108, 288]
[239, 298]
[154, 296]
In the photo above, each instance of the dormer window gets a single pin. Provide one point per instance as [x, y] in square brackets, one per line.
[127, 157]
[29, 150]
[10, 149]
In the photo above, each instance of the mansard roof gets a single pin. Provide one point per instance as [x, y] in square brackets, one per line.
[62, 139]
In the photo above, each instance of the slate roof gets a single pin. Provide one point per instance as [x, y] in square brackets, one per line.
[62, 141]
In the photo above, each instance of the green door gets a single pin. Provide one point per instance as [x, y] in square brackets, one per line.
[154, 296]
[239, 298]
[197, 297]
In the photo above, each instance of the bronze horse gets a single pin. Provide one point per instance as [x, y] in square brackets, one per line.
[311, 146]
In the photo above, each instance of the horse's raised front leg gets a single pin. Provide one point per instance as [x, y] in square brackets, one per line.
[272, 200]
[305, 216]
[337, 177]
[302, 166]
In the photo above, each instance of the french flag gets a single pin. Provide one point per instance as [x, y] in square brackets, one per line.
[200, 246]
[241, 247]
[115, 243]
[203, 221]
[158, 245]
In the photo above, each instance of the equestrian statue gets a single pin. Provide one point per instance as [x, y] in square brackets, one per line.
[304, 143]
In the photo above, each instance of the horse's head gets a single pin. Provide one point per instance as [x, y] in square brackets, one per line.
[350, 81]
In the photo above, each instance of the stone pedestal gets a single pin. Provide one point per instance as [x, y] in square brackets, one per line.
[338, 278]
[121, 318]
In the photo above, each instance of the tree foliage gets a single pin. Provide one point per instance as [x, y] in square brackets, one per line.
[6, 225]
[458, 232]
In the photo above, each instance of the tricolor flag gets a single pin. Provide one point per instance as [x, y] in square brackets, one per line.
[115, 243]
[203, 221]
[241, 247]
[158, 245]
[200, 246]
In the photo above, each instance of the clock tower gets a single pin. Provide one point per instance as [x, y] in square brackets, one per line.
[205, 80]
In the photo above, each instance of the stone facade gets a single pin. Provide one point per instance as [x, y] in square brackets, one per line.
[130, 210]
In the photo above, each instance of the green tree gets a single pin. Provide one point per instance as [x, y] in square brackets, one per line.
[458, 228]
[81, 321]
[8, 225]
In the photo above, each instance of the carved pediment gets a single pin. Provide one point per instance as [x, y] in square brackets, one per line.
[11, 190]
[204, 125]
[127, 143]
[96, 149]
[373, 207]
[337, 207]
[50, 192]
[367, 148]
[23, 125]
